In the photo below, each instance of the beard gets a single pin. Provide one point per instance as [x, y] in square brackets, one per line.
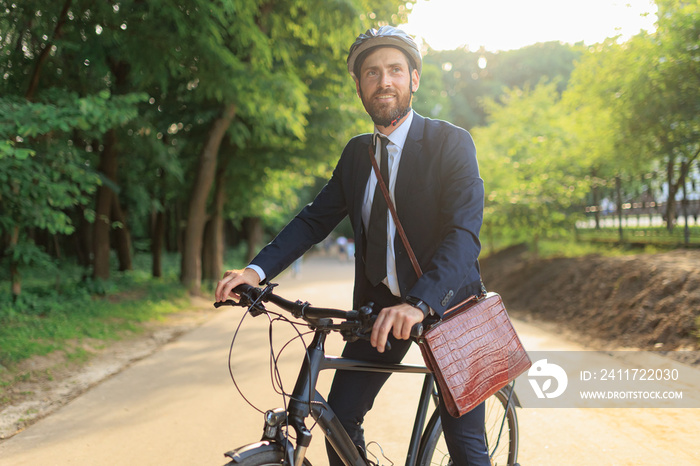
[384, 114]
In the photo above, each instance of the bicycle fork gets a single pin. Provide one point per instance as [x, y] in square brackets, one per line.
[274, 432]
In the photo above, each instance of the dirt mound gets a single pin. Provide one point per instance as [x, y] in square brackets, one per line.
[646, 301]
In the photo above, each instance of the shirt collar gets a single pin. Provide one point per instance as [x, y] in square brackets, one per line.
[399, 135]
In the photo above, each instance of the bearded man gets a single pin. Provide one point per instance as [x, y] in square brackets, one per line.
[431, 172]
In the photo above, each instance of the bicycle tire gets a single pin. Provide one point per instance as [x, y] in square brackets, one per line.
[433, 450]
[264, 458]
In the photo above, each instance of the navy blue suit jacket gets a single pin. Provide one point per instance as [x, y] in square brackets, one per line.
[439, 199]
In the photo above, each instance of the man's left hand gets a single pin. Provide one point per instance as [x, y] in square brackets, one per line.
[401, 318]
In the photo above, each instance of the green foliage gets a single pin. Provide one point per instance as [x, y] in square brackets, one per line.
[431, 99]
[638, 103]
[63, 112]
[533, 184]
[571, 247]
[630, 111]
[470, 78]
[551, 121]
[292, 126]
[654, 236]
[40, 190]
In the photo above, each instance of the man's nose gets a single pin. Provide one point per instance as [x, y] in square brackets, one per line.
[385, 80]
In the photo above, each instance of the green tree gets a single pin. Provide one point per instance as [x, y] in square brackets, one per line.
[202, 93]
[643, 99]
[43, 174]
[293, 113]
[533, 180]
[472, 77]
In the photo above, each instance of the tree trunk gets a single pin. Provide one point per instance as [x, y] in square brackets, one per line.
[122, 236]
[56, 247]
[103, 209]
[191, 269]
[213, 251]
[83, 240]
[15, 278]
[671, 200]
[157, 236]
[254, 234]
[209, 247]
[44, 54]
[686, 228]
[618, 192]
[179, 229]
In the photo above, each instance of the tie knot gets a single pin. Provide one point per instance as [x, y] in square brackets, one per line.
[384, 141]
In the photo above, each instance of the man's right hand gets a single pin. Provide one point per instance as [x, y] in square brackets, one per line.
[233, 278]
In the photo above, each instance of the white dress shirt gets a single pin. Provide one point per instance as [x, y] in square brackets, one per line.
[397, 139]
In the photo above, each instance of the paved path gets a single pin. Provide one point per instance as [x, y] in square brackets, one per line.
[179, 407]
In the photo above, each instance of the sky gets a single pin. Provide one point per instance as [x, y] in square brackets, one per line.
[512, 24]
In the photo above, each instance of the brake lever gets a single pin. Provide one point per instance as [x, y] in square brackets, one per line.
[367, 318]
[365, 335]
[254, 308]
[228, 302]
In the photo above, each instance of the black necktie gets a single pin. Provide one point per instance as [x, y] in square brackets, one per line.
[377, 231]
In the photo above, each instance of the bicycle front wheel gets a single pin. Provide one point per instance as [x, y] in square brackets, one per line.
[501, 429]
[264, 458]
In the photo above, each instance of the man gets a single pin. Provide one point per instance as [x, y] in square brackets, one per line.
[430, 169]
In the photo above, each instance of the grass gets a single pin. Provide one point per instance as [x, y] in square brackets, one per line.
[657, 235]
[568, 246]
[39, 325]
[56, 315]
[58, 308]
[572, 248]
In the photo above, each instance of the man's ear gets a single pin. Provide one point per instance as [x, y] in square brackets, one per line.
[415, 80]
[357, 88]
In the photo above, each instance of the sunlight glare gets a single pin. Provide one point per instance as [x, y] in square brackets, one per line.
[511, 24]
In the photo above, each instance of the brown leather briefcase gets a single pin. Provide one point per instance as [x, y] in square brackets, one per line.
[473, 352]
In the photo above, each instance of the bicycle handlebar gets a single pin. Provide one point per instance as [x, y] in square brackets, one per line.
[355, 321]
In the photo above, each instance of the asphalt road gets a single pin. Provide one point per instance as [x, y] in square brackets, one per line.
[179, 406]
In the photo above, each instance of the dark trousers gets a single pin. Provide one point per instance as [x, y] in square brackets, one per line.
[352, 396]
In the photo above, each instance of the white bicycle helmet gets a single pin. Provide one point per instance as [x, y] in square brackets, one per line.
[383, 37]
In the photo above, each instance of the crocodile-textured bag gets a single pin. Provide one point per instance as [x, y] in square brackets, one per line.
[473, 352]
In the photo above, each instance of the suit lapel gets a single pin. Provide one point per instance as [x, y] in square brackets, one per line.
[410, 165]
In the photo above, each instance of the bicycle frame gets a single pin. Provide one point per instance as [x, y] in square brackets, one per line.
[305, 401]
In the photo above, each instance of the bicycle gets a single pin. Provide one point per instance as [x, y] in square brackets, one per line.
[427, 445]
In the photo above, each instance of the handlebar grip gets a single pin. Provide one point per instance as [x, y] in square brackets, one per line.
[244, 288]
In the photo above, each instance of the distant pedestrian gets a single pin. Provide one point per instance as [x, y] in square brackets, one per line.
[351, 249]
[342, 243]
